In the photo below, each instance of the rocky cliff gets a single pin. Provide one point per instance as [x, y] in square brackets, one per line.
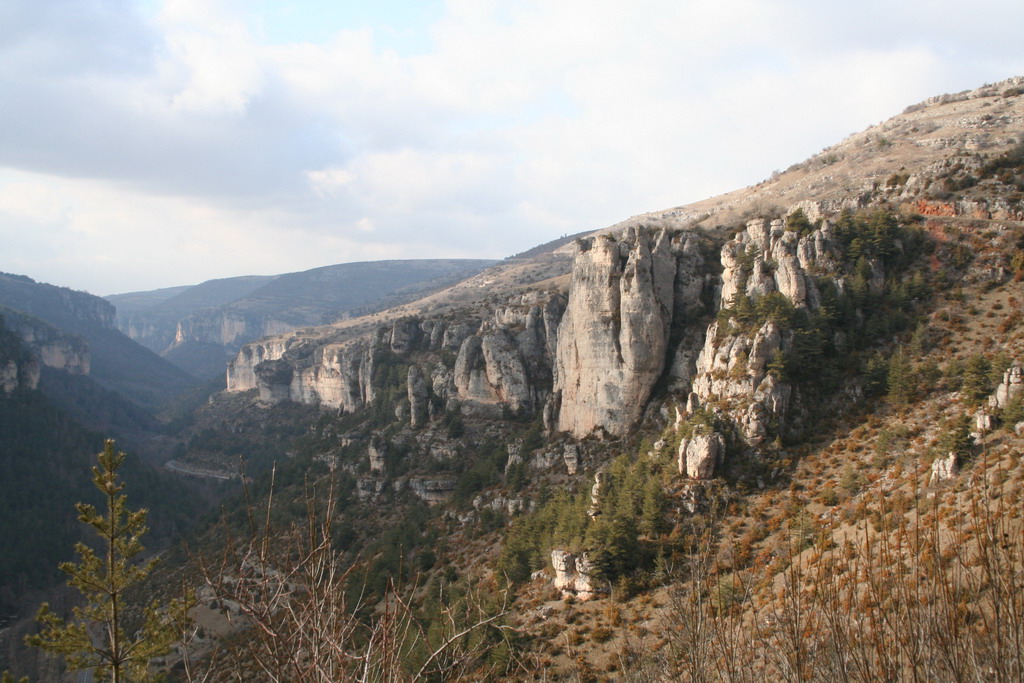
[636, 312]
[19, 369]
[481, 367]
[53, 348]
[83, 339]
[681, 301]
[627, 290]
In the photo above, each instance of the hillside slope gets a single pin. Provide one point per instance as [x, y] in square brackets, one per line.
[46, 455]
[115, 361]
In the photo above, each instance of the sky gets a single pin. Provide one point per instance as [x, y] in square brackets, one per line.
[155, 143]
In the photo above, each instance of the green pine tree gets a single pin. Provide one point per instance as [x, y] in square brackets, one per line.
[901, 380]
[956, 437]
[976, 379]
[96, 637]
[652, 518]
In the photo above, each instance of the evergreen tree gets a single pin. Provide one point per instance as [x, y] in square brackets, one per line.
[652, 518]
[976, 378]
[876, 372]
[103, 579]
[901, 381]
[798, 222]
[956, 437]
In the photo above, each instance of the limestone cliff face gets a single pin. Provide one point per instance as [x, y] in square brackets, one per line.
[732, 370]
[334, 376]
[226, 328]
[55, 349]
[23, 373]
[242, 370]
[588, 359]
[49, 345]
[635, 312]
[502, 363]
[338, 377]
[292, 368]
[612, 340]
[154, 335]
[490, 371]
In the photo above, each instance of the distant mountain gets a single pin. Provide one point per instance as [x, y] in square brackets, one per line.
[114, 361]
[133, 302]
[151, 318]
[198, 328]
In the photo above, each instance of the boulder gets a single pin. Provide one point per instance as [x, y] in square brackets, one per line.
[943, 469]
[700, 454]
[574, 575]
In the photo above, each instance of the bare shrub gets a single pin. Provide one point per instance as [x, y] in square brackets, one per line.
[291, 597]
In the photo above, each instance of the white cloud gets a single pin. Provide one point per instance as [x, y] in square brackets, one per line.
[328, 182]
[183, 145]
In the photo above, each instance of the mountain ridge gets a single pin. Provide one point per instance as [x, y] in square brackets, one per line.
[199, 327]
[115, 361]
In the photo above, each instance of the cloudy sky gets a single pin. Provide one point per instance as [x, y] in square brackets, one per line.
[151, 143]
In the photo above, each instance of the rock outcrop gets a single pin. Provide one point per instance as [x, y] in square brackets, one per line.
[503, 363]
[574, 575]
[734, 368]
[489, 372]
[635, 313]
[943, 468]
[431, 489]
[283, 368]
[1011, 388]
[49, 345]
[733, 371]
[241, 374]
[613, 337]
[419, 398]
[700, 454]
